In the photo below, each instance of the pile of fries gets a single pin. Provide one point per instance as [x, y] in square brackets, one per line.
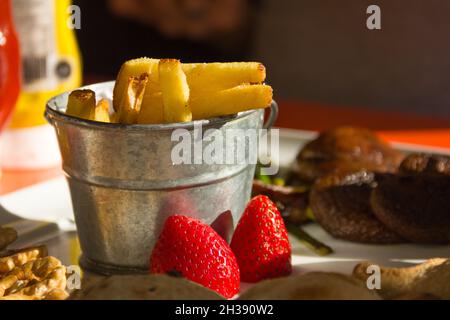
[152, 91]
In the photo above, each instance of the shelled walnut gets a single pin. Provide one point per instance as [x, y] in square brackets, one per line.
[30, 274]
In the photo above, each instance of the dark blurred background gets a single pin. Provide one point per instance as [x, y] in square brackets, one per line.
[314, 50]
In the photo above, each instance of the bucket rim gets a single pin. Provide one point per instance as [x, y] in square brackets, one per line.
[52, 114]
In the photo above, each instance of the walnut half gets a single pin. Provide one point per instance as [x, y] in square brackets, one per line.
[32, 275]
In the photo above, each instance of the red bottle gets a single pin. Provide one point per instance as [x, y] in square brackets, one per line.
[9, 63]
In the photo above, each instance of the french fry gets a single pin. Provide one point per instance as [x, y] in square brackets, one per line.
[152, 109]
[101, 112]
[200, 76]
[231, 101]
[175, 91]
[114, 117]
[81, 104]
[220, 76]
[134, 68]
[132, 99]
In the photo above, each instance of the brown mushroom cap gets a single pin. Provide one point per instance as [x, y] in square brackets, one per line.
[341, 205]
[425, 163]
[346, 149]
[416, 206]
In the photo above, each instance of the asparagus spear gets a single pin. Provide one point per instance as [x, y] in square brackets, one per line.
[310, 214]
[313, 244]
[292, 201]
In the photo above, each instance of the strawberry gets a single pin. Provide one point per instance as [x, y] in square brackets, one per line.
[260, 242]
[198, 253]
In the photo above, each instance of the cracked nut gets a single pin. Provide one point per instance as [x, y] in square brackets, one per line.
[32, 275]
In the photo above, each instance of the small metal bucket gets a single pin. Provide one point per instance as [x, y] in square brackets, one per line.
[124, 185]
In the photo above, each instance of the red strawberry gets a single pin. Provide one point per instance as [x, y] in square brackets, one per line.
[195, 250]
[261, 243]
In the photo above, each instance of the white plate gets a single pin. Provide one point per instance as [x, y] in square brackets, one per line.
[50, 201]
[348, 254]
[47, 201]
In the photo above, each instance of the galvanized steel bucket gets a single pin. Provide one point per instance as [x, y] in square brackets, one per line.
[124, 185]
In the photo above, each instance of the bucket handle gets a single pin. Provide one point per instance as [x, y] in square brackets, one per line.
[49, 118]
[272, 116]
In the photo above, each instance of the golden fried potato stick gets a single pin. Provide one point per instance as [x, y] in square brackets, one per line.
[175, 91]
[218, 76]
[131, 105]
[152, 109]
[81, 104]
[18, 258]
[101, 112]
[231, 101]
[114, 117]
[134, 68]
[200, 76]
[398, 281]
[7, 236]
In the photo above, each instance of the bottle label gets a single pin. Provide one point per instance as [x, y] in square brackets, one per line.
[35, 24]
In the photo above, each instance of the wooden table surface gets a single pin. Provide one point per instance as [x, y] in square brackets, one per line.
[400, 127]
